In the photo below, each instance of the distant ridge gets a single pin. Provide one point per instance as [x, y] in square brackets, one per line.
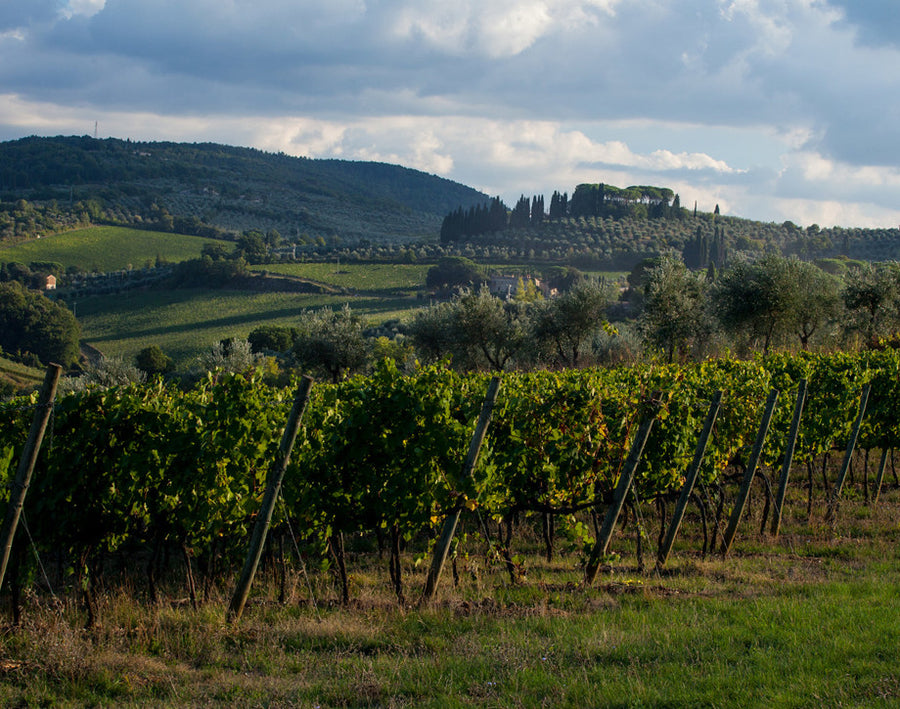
[233, 188]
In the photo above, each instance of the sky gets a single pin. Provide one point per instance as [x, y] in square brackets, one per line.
[772, 109]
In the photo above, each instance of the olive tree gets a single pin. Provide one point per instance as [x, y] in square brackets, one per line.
[674, 317]
[332, 341]
[229, 355]
[563, 328]
[775, 299]
[756, 300]
[478, 330]
[817, 303]
[871, 297]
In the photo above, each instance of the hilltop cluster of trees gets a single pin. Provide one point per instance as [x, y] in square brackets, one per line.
[588, 200]
[606, 227]
[639, 202]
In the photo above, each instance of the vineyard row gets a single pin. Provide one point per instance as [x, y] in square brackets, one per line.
[147, 469]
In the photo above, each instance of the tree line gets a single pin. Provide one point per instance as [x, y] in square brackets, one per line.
[588, 200]
[774, 302]
[669, 312]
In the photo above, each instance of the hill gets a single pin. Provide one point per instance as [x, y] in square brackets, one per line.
[207, 188]
[364, 210]
[604, 226]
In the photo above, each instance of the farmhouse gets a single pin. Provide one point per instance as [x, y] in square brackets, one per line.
[508, 286]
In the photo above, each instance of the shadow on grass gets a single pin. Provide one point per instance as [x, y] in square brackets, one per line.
[233, 320]
[366, 307]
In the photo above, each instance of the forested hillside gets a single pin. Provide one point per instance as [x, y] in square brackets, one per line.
[205, 189]
[354, 210]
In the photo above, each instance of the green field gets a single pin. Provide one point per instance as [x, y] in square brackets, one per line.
[391, 277]
[107, 248]
[186, 323]
[18, 375]
[370, 277]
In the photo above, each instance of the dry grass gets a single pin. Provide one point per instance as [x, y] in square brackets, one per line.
[776, 623]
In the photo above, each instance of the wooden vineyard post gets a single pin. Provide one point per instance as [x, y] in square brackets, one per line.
[689, 480]
[273, 488]
[449, 529]
[601, 547]
[27, 463]
[442, 547]
[848, 455]
[879, 477]
[750, 472]
[788, 457]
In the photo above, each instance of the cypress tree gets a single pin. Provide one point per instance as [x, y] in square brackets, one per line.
[521, 213]
[537, 209]
[498, 216]
[554, 205]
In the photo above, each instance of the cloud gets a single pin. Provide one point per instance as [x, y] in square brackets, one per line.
[740, 61]
[13, 34]
[812, 176]
[733, 98]
[492, 28]
[86, 8]
[662, 160]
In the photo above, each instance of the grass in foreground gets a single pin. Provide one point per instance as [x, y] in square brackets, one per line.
[812, 620]
[107, 248]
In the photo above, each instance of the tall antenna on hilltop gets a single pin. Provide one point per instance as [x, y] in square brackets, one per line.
[95, 130]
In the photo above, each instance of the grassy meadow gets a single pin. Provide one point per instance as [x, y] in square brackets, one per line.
[810, 620]
[106, 248]
[392, 277]
[19, 376]
[185, 323]
[372, 278]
